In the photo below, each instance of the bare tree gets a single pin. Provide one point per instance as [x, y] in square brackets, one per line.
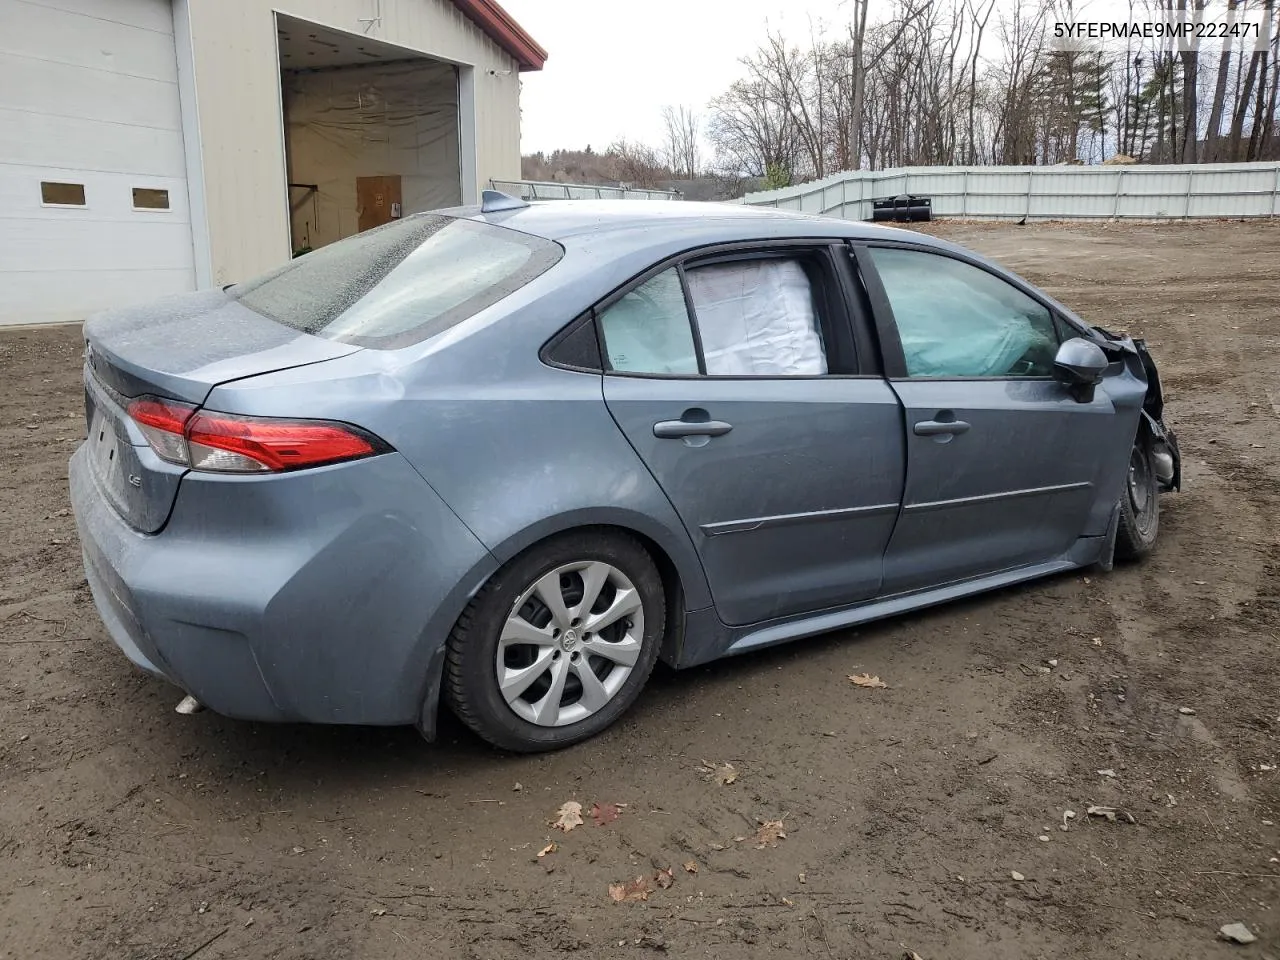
[1190, 56]
[1268, 119]
[1213, 134]
[750, 132]
[1022, 40]
[788, 77]
[935, 82]
[680, 146]
[637, 164]
[978, 18]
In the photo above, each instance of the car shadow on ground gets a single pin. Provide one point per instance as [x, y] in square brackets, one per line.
[348, 760]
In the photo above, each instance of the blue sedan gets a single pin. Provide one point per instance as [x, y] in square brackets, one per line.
[506, 457]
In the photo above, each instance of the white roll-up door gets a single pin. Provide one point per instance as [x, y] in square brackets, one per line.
[93, 193]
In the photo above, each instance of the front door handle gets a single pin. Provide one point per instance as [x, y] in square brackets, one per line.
[935, 428]
[680, 429]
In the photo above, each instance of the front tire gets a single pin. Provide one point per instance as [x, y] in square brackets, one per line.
[1139, 504]
[559, 642]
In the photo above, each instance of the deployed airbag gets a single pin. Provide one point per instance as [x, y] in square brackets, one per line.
[956, 320]
[757, 318]
[972, 339]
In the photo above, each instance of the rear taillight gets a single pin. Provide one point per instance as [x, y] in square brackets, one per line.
[163, 423]
[226, 443]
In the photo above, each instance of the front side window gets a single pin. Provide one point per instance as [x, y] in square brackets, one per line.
[753, 317]
[956, 320]
[400, 283]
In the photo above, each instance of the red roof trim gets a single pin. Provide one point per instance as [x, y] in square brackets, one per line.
[505, 32]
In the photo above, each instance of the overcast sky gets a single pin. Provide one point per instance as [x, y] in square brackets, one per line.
[612, 66]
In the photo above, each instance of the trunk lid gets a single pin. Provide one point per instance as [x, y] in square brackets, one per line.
[182, 347]
[179, 348]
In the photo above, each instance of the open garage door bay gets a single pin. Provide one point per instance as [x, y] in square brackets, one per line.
[371, 132]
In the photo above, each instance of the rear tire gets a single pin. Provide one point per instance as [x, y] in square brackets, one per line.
[559, 643]
[1139, 504]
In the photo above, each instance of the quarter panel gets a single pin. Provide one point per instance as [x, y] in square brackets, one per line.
[521, 461]
[344, 579]
[518, 450]
[317, 596]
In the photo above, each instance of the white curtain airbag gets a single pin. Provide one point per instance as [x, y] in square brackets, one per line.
[756, 318]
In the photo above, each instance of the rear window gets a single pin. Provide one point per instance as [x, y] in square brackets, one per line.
[400, 283]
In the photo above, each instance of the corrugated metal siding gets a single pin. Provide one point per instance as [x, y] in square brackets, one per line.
[237, 89]
[1047, 193]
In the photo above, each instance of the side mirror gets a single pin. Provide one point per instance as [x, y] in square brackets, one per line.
[1079, 366]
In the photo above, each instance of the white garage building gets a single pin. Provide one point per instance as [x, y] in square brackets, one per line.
[157, 146]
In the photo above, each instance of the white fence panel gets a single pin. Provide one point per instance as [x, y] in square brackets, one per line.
[1231, 190]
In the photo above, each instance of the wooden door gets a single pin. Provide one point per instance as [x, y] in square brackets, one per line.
[377, 200]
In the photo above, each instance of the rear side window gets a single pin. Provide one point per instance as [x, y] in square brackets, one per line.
[400, 283]
[753, 317]
[648, 330]
[757, 318]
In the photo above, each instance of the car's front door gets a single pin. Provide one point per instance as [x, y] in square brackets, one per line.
[736, 379]
[1004, 467]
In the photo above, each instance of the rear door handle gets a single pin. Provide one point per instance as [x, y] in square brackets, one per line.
[679, 429]
[934, 428]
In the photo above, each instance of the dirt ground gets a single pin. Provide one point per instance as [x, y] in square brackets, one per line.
[925, 817]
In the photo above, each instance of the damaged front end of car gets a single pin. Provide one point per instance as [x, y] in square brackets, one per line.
[1166, 457]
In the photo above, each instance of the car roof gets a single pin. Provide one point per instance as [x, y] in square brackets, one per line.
[565, 220]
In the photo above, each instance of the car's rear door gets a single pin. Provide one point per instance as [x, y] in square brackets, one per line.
[1004, 467]
[737, 378]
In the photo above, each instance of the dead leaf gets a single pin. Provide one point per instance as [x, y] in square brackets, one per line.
[866, 680]
[691, 866]
[788, 903]
[722, 773]
[912, 955]
[725, 774]
[634, 890]
[1108, 812]
[770, 832]
[1236, 933]
[379, 911]
[603, 813]
[665, 878]
[568, 816]
[549, 848]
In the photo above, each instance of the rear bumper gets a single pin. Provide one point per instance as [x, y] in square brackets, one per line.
[320, 596]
